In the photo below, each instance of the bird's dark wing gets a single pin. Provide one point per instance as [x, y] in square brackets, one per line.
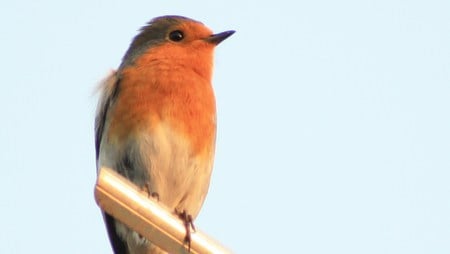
[109, 88]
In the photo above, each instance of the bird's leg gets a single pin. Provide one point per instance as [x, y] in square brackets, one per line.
[154, 195]
[188, 224]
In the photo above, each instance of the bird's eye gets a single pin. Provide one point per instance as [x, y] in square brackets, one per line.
[176, 35]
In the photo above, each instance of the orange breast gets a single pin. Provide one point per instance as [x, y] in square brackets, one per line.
[160, 89]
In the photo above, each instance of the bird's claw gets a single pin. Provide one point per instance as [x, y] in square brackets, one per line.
[154, 195]
[188, 225]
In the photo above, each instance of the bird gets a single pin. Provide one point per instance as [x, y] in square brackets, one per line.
[156, 121]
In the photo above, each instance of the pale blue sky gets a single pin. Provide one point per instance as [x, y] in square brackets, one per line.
[334, 127]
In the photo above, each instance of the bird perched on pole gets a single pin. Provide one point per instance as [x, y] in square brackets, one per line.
[156, 121]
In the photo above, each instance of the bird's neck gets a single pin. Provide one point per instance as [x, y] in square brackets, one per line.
[172, 59]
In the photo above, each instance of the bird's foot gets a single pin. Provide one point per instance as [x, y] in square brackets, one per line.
[154, 195]
[188, 225]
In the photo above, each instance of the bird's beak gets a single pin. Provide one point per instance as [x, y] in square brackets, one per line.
[218, 38]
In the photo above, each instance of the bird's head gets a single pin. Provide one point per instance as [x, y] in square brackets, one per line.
[176, 40]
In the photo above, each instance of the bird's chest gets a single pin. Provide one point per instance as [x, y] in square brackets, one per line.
[186, 106]
[163, 127]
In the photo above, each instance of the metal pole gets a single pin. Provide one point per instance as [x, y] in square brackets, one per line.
[127, 203]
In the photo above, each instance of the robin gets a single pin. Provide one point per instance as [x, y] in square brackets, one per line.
[156, 121]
